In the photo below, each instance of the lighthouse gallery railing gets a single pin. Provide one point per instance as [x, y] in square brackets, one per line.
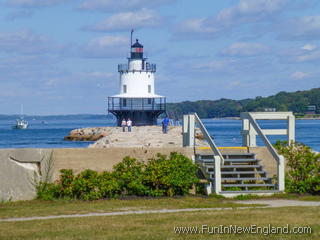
[147, 68]
[128, 104]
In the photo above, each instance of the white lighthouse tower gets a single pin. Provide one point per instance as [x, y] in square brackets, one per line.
[137, 99]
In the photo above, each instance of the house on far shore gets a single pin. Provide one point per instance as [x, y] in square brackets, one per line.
[311, 110]
[270, 109]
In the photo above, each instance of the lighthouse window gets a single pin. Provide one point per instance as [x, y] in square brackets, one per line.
[124, 88]
[124, 102]
[149, 88]
[149, 100]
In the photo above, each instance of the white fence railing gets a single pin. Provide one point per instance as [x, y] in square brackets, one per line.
[251, 129]
[188, 131]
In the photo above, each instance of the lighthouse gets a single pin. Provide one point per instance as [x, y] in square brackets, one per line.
[137, 99]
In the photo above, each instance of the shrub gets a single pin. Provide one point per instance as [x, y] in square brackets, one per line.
[160, 176]
[47, 191]
[170, 176]
[86, 185]
[129, 174]
[303, 174]
[109, 186]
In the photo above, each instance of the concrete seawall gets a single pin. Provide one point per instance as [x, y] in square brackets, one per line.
[21, 169]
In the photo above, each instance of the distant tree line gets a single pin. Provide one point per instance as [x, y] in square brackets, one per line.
[296, 102]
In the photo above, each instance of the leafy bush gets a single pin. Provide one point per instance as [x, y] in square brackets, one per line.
[170, 176]
[160, 176]
[47, 191]
[130, 173]
[303, 174]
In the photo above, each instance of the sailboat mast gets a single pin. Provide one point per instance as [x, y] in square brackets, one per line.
[21, 111]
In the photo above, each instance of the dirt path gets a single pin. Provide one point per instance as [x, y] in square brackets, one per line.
[267, 203]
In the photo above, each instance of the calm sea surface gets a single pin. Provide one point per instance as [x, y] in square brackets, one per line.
[48, 132]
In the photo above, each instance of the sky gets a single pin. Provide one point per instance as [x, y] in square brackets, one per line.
[61, 56]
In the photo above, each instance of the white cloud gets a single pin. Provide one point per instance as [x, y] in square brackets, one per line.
[106, 47]
[27, 42]
[128, 20]
[312, 56]
[308, 53]
[301, 28]
[250, 10]
[309, 47]
[299, 75]
[33, 3]
[244, 49]
[119, 5]
[198, 26]
[245, 12]
[214, 66]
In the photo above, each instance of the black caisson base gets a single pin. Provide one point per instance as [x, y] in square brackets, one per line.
[138, 118]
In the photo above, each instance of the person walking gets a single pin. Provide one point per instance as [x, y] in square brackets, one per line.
[123, 125]
[129, 124]
[165, 123]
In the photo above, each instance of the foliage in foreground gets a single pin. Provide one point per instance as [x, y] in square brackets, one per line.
[160, 176]
[303, 174]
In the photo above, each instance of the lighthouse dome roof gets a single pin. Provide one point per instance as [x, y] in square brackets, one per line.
[137, 44]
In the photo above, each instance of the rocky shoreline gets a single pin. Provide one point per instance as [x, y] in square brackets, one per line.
[88, 134]
[145, 136]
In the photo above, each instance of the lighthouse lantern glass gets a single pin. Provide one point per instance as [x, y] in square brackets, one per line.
[138, 50]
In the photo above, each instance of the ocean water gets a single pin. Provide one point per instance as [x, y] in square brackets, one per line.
[48, 132]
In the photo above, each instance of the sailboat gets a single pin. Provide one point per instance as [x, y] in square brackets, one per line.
[20, 122]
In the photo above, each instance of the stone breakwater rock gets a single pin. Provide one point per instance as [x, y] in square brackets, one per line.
[146, 136]
[88, 134]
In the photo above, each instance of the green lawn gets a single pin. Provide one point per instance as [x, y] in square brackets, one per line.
[58, 207]
[45, 208]
[161, 226]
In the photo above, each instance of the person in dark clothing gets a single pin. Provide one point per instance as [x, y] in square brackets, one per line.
[165, 123]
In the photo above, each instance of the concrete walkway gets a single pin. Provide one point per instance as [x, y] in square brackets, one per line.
[267, 203]
[281, 203]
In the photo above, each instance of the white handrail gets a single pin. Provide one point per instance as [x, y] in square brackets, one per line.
[266, 141]
[210, 141]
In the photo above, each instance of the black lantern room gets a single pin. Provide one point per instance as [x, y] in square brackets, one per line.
[136, 50]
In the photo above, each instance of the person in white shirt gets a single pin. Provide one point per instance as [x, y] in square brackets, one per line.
[129, 124]
[123, 125]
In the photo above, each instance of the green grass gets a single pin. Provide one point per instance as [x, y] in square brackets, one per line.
[160, 226]
[58, 207]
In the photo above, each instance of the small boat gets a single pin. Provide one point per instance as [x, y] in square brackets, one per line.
[20, 122]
